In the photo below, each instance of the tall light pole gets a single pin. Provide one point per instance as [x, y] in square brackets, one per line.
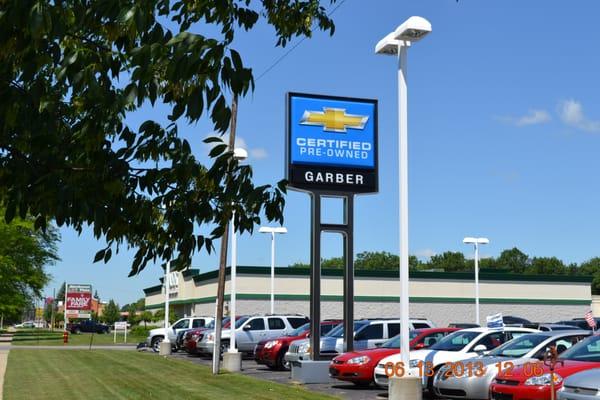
[272, 231]
[165, 345]
[239, 154]
[396, 43]
[476, 242]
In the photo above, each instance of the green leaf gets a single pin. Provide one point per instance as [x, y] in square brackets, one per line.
[99, 255]
[217, 150]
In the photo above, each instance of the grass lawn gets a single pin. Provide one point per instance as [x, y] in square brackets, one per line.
[82, 339]
[106, 374]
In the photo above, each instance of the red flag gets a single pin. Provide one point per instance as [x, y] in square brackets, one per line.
[589, 317]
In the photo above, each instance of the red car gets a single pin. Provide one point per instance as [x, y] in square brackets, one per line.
[357, 366]
[524, 383]
[192, 336]
[270, 352]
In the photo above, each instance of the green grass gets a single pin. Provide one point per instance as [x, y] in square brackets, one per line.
[82, 339]
[106, 374]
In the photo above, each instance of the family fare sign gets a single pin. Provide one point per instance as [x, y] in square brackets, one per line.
[78, 300]
[331, 143]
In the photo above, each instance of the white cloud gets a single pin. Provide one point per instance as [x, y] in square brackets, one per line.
[534, 117]
[571, 113]
[425, 253]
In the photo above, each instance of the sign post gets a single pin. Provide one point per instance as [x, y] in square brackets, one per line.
[331, 152]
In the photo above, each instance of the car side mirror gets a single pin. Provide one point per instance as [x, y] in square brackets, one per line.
[246, 328]
[480, 348]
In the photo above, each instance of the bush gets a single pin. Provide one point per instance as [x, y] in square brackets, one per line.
[140, 331]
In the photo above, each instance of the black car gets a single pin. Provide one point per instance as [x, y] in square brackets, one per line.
[510, 320]
[88, 326]
[581, 323]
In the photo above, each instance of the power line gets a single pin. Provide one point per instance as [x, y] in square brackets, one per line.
[284, 55]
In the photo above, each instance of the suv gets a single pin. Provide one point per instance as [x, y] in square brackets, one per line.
[368, 333]
[156, 336]
[88, 326]
[251, 330]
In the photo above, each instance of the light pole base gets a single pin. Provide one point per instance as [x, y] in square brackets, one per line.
[405, 388]
[232, 361]
[165, 349]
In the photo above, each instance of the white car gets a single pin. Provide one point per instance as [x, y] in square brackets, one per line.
[156, 336]
[457, 346]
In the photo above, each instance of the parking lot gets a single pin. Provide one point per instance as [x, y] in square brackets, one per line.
[251, 368]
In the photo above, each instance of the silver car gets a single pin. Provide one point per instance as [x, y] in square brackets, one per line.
[472, 378]
[581, 386]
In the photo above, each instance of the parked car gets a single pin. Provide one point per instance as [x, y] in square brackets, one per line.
[510, 320]
[544, 327]
[156, 336]
[88, 326]
[249, 331]
[31, 324]
[192, 336]
[528, 348]
[457, 346]
[368, 333]
[578, 323]
[581, 386]
[271, 352]
[463, 325]
[519, 384]
[357, 366]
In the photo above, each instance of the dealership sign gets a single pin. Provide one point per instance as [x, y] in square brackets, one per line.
[331, 143]
[78, 301]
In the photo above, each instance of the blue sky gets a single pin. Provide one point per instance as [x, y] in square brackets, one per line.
[504, 127]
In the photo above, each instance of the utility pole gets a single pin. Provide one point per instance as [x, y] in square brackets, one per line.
[52, 309]
[223, 257]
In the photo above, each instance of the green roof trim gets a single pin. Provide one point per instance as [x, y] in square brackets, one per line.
[382, 299]
[190, 272]
[153, 290]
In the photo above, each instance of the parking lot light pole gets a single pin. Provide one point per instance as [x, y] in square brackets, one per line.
[165, 345]
[396, 43]
[272, 231]
[476, 242]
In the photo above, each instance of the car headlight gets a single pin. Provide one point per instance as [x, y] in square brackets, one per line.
[304, 348]
[271, 343]
[543, 380]
[414, 363]
[359, 360]
[210, 337]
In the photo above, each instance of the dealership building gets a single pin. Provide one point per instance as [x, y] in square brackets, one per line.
[442, 297]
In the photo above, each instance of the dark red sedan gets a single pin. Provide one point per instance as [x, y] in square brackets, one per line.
[270, 352]
[525, 383]
[357, 366]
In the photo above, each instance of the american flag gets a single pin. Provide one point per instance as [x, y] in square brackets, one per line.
[589, 317]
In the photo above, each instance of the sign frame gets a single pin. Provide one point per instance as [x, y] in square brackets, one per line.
[294, 170]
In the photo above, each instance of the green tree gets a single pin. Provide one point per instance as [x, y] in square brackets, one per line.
[132, 317]
[448, 261]
[334, 262]
[111, 312]
[592, 268]
[146, 317]
[159, 315]
[72, 71]
[514, 260]
[546, 266]
[60, 296]
[24, 252]
[377, 260]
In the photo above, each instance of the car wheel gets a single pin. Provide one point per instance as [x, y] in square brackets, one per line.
[224, 346]
[77, 331]
[155, 344]
[282, 363]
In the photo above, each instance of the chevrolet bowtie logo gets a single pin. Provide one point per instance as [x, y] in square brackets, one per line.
[334, 119]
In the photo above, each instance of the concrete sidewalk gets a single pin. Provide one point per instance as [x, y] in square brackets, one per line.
[3, 360]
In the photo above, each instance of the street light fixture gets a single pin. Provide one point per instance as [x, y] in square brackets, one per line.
[476, 242]
[397, 43]
[272, 231]
[238, 154]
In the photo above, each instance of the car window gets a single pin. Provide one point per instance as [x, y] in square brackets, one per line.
[276, 324]
[181, 324]
[421, 325]
[586, 350]
[198, 323]
[256, 324]
[491, 341]
[519, 347]
[297, 322]
[562, 345]
[456, 341]
[431, 339]
[325, 329]
[338, 331]
[373, 331]
[393, 329]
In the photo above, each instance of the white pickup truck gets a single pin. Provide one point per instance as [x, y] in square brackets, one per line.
[156, 336]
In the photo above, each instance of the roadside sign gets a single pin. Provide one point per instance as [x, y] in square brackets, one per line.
[120, 326]
[78, 301]
[495, 321]
[332, 143]
[39, 312]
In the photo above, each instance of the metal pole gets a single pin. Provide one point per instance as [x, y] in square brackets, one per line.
[272, 272]
[232, 347]
[349, 274]
[223, 259]
[477, 283]
[315, 277]
[65, 306]
[167, 272]
[403, 202]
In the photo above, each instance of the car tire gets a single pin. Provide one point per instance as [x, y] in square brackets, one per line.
[224, 346]
[281, 363]
[155, 343]
[76, 331]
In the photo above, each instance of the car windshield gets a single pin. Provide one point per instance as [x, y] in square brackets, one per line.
[455, 341]
[518, 347]
[338, 331]
[586, 350]
[240, 322]
[394, 343]
[299, 330]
